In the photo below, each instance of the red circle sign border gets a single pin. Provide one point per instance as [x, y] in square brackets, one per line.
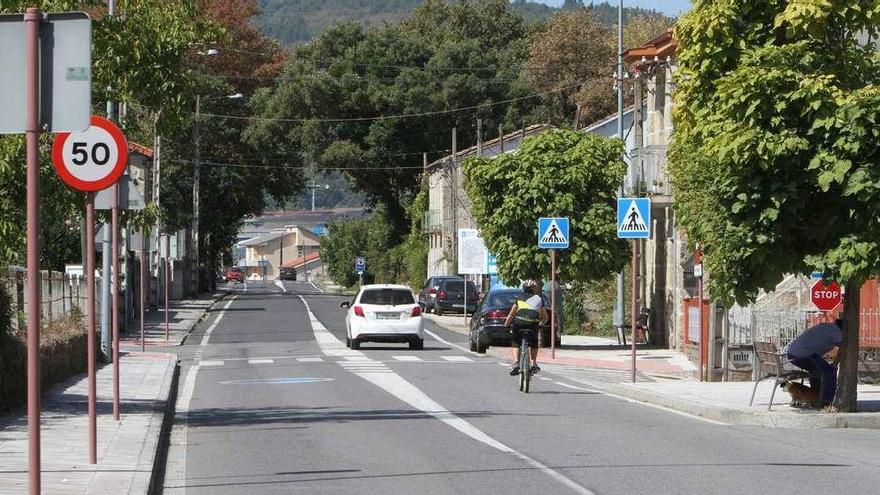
[118, 167]
[825, 286]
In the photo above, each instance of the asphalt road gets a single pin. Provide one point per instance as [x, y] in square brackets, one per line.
[271, 401]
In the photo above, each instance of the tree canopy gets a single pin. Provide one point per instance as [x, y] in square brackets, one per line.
[775, 158]
[558, 173]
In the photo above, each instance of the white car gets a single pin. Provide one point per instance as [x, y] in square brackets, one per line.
[384, 313]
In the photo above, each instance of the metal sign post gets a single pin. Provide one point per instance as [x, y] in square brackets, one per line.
[90, 324]
[553, 234]
[473, 259]
[360, 266]
[633, 222]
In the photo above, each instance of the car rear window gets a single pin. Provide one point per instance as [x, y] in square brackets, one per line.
[457, 286]
[389, 297]
[503, 299]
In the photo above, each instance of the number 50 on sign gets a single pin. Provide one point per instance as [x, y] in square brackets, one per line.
[91, 160]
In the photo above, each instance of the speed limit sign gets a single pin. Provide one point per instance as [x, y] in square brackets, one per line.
[91, 160]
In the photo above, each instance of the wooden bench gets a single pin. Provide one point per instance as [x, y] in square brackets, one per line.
[771, 364]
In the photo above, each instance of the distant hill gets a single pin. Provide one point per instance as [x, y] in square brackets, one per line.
[298, 21]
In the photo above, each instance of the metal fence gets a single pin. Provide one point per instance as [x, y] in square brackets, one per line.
[781, 326]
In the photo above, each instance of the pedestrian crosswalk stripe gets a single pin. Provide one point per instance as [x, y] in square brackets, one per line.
[310, 360]
[407, 358]
[260, 361]
[211, 363]
[456, 358]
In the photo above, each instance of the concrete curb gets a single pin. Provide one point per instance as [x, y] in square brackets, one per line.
[768, 419]
[218, 297]
[157, 470]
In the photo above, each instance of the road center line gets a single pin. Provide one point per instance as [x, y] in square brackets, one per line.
[397, 386]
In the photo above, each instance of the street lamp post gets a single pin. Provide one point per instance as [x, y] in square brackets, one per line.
[196, 178]
[314, 186]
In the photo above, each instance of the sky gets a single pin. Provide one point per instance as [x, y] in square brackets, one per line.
[668, 7]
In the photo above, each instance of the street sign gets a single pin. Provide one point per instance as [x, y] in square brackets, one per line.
[91, 160]
[65, 72]
[360, 265]
[129, 196]
[491, 264]
[472, 253]
[698, 270]
[826, 297]
[634, 218]
[553, 233]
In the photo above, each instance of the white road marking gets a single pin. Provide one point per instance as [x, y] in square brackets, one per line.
[456, 359]
[407, 358]
[667, 409]
[211, 363]
[310, 360]
[176, 469]
[545, 379]
[316, 287]
[441, 340]
[397, 386]
[211, 328]
[280, 285]
[260, 361]
[561, 384]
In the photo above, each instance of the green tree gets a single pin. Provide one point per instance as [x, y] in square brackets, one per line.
[775, 155]
[559, 173]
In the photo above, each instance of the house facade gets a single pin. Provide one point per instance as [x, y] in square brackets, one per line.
[265, 254]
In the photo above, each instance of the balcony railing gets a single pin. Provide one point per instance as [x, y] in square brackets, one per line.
[432, 220]
[647, 173]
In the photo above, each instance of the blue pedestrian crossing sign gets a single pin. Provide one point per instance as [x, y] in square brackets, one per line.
[360, 265]
[553, 233]
[634, 218]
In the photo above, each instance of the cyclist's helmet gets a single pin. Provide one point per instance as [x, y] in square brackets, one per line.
[529, 286]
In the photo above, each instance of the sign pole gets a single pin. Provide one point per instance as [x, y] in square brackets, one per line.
[142, 298]
[553, 318]
[698, 259]
[114, 296]
[634, 309]
[32, 133]
[167, 279]
[90, 323]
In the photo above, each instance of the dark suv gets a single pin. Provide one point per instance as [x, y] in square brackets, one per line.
[487, 326]
[428, 293]
[451, 297]
[287, 273]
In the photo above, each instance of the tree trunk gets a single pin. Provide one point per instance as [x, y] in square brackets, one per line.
[848, 372]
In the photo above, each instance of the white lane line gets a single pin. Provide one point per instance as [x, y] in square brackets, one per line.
[280, 285]
[310, 360]
[176, 464]
[443, 341]
[406, 358]
[211, 363]
[260, 361]
[667, 409]
[545, 379]
[210, 329]
[503, 364]
[397, 386]
[316, 287]
[561, 384]
[456, 359]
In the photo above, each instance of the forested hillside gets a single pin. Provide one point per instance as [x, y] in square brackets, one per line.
[297, 21]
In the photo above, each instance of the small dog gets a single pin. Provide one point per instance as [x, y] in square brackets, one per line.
[801, 395]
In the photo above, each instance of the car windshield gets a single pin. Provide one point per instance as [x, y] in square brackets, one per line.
[387, 297]
[502, 299]
[458, 286]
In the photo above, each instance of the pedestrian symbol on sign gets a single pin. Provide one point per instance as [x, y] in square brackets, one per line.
[634, 221]
[633, 218]
[553, 233]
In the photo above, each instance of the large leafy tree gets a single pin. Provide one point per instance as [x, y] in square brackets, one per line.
[558, 173]
[342, 88]
[775, 158]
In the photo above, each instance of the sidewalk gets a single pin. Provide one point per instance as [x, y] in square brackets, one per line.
[126, 449]
[183, 316]
[674, 386]
[579, 350]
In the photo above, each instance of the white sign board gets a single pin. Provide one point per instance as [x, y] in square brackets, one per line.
[473, 258]
[65, 73]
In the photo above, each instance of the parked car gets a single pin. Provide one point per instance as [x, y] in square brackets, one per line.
[451, 297]
[234, 274]
[384, 313]
[287, 273]
[487, 325]
[428, 293]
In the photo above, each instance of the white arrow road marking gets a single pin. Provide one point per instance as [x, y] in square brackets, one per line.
[395, 385]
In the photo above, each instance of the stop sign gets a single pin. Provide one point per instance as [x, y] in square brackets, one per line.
[826, 297]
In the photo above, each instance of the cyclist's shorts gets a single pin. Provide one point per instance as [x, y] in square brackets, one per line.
[530, 332]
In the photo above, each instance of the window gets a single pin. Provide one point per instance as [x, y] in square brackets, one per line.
[458, 286]
[387, 297]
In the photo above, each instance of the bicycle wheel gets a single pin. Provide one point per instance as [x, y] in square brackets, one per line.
[525, 367]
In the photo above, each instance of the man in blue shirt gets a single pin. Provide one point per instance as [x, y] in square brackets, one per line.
[811, 352]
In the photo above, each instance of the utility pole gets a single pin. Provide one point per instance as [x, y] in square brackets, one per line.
[618, 303]
[197, 169]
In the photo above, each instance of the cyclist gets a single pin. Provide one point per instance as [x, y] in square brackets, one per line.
[524, 317]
